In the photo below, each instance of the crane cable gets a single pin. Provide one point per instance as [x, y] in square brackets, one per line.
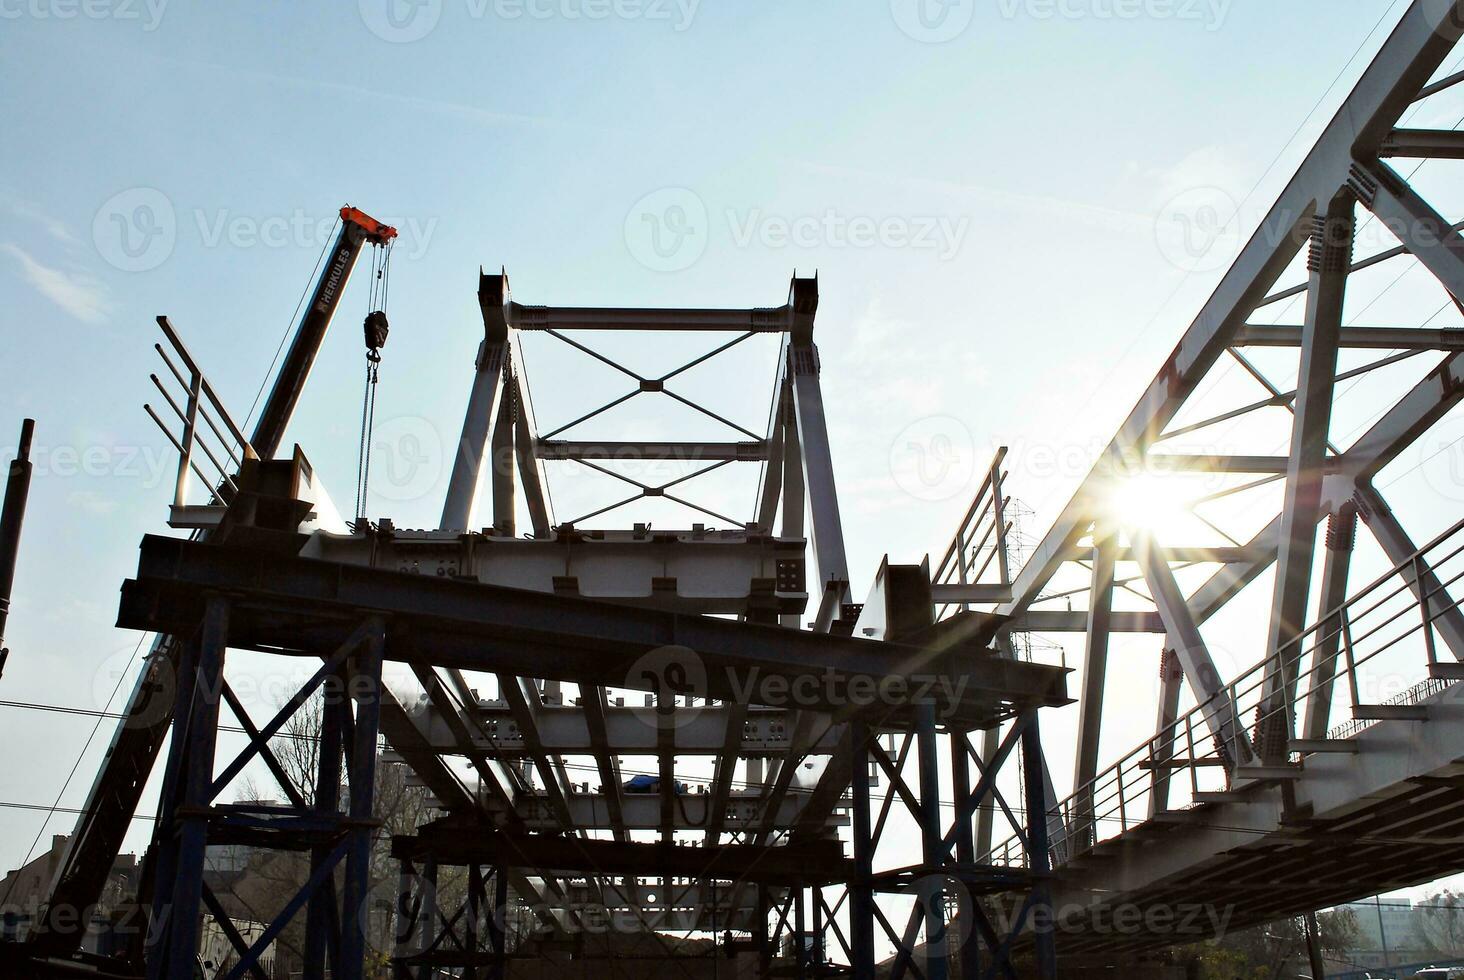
[375, 329]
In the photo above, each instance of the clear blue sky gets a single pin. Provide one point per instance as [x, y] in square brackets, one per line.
[1030, 157]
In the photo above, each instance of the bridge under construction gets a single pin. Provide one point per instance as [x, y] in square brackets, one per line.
[829, 782]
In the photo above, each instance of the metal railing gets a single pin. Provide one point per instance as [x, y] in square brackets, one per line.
[199, 404]
[1376, 653]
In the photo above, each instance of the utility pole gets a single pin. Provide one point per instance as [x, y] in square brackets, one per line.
[17, 490]
[1382, 933]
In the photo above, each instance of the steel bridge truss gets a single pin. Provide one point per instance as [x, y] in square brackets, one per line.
[610, 610]
[605, 611]
[1258, 511]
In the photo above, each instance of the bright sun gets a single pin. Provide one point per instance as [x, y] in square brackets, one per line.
[1150, 502]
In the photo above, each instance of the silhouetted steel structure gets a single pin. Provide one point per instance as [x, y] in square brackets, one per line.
[1252, 793]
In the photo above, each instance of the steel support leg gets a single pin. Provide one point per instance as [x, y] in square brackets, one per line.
[482, 412]
[502, 472]
[1171, 677]
[408, 908]
[931, 896]
[366, 690]
[1039, 858]
[497, 923]
[1341, 533]
[197, 773]
[1095, 673]
[1329, 261]
[818, 472]
[322, 924]
[861, 894]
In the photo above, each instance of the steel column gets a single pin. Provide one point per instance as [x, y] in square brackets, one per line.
[1095, 672]
[502, 475]
[861, 894]
[1171, 676]
[467, 463]
[1328, 263]
[1039, 856]
[196, 792]
[1341, 532]
[365, 727]
[931, 895]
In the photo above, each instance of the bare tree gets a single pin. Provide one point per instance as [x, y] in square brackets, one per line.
[272, 877]
[1441, 923]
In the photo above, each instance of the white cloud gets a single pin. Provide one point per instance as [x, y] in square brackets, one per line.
[54, 227]
[91, 502]
[80, 295]
[1206, 166]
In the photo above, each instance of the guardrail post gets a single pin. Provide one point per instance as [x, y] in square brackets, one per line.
[185, 456]
[1425, 605]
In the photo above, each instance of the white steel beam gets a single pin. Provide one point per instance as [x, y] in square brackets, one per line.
[1356, 338]
[1095, 666]
[1425, 232]
[483, 405]
[1328, 262]
[1399, 548]
[1194, 656]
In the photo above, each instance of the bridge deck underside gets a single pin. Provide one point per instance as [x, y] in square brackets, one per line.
[1387, 817]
